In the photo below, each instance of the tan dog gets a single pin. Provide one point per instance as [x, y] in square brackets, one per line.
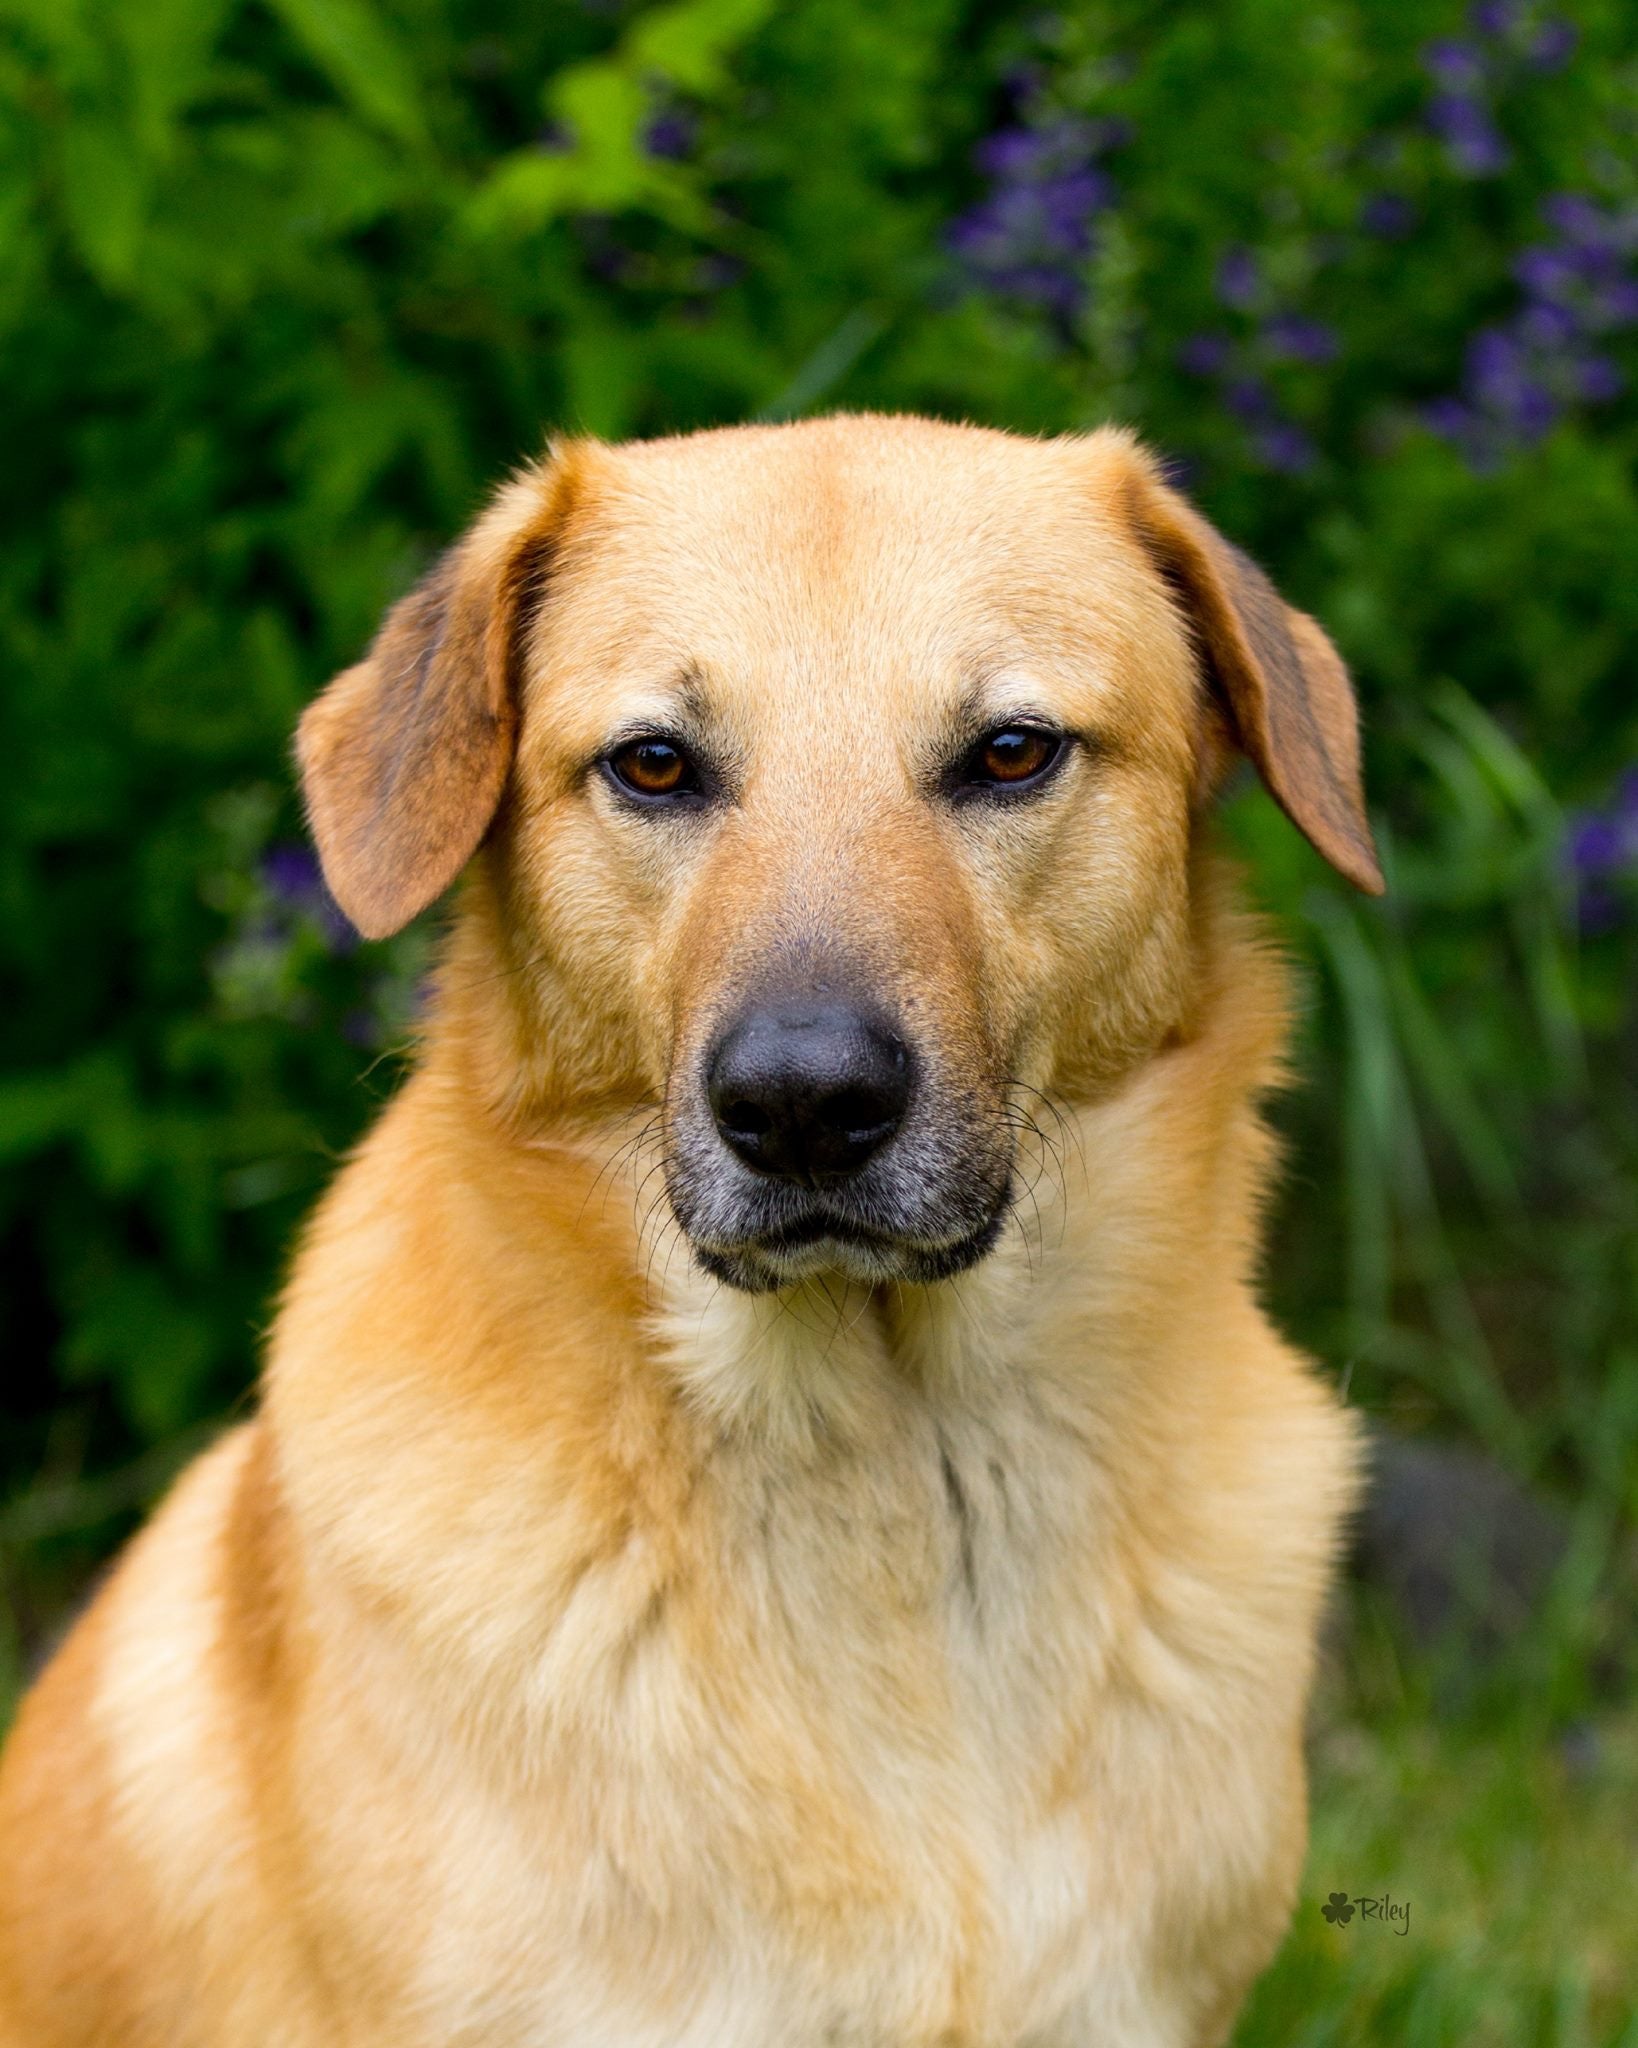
[776, 1517]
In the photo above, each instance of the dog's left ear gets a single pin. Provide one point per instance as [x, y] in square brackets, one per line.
[404, 757]
[1275, 677]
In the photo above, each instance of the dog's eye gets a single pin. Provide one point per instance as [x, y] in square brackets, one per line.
[653, 768]
[1011, 757]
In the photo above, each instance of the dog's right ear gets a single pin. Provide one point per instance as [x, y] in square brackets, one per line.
[404, 757]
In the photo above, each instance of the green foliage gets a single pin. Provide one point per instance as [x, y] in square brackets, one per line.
[1513, 1857]
[286, 285]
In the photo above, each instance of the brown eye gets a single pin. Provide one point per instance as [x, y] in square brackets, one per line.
[653, 768]
[1012, 755]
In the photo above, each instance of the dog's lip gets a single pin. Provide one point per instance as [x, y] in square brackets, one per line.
[819, 1226]
[760, 1261]
[814, 1229]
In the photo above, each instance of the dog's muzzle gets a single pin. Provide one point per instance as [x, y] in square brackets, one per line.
[813, 1142]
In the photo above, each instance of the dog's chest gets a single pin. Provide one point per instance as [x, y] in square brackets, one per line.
[859, 1762]
[853, 1800]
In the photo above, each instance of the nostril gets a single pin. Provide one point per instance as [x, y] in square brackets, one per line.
[854, 1109]
[744, 1119]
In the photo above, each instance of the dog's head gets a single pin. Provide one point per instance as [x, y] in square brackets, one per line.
[839, 782]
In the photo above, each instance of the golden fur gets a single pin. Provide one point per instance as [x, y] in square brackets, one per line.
[575, 1650]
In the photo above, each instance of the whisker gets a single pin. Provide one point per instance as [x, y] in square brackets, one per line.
[788, 1308]
[1067, 1125]
[627, 1151]
[1069, 1130]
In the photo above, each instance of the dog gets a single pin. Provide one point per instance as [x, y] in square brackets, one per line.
[775, 1516]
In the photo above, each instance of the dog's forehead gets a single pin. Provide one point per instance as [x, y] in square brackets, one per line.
[851, 553]
[804, 514]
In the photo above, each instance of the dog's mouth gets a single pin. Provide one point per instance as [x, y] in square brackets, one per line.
[822, 1239]
[776, 1173]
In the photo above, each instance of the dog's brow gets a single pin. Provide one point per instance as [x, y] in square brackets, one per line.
[684, 700]
[998, 692]
[690, 690]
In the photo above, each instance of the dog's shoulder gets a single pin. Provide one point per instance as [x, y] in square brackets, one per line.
[129, 1797]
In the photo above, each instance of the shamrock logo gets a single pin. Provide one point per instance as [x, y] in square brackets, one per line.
[1337, 1909]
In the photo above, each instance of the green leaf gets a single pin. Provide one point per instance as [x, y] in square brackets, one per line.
[105, 197]
[35, 1111]
[168, 45]
[347, 40]
[688, 45]
[153, 1345]
[604, 106]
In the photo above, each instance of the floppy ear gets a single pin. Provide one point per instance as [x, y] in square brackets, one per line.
[1276, 678]
[404, 756]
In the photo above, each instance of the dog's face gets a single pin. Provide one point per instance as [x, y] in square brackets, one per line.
[843, 782]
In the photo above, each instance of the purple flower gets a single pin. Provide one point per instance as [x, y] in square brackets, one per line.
[1248, 398]
[1072, 198]
[670, 135]
[1505, 378]
[1300, 339]
[1582, 275]
[1388, 214]
[1472, 141]
[1275, 442]
[1029, 236]
[1204, 355]
[1598, 379]
[294, 881]
[1496, 362]
[1286, 448]
[1603, 842]
[1451, 419]
[1616, 305]
[1535, 410]
[1494, 17]
[1552, 46]
[1523, 374]
[1549, 273]
[1577, 218]
[1054, 289]
[1602, 850]
[1598, 910]
[1024, 222]
[1238, 279]
[1549, 327]
[1017, 154]
[1455, 65]
[291, 874]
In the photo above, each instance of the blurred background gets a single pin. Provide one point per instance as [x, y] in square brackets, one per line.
[286, 284]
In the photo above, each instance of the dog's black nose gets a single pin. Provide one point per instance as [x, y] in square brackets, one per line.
[807, 1089]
